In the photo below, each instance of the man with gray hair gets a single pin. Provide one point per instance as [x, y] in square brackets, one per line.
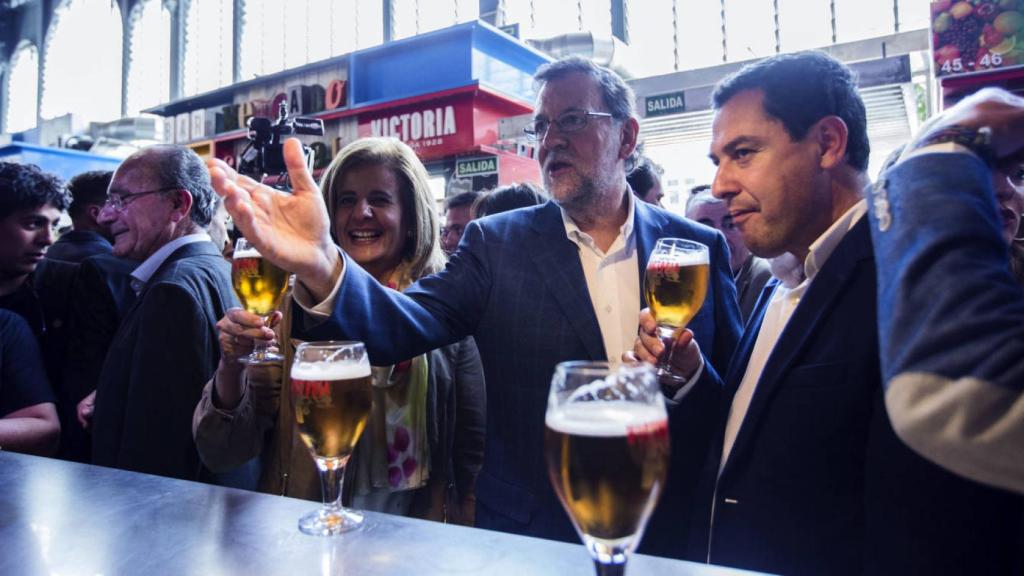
[535, 287]
[750, 272]
[166, 348]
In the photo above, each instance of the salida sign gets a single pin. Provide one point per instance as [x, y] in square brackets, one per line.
[665, 104]
[432, 129]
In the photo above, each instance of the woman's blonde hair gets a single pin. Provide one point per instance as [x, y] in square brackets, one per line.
[421, 254]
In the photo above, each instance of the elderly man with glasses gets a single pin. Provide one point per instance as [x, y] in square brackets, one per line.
[165, 349]
[535, 287]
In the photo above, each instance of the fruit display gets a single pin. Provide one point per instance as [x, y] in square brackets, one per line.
[977, 35]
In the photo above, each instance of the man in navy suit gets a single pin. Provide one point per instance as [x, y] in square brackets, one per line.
[535, 287]
[806, 475]
[88, 237]
[165, 348]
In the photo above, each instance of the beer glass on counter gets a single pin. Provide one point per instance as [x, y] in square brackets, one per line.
[259, 285]
[331, 392]
[675, 286]
[606, 446]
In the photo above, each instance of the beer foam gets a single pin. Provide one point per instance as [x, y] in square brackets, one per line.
[681, 258]
[247, 253]
[602, 418]
[330, 370]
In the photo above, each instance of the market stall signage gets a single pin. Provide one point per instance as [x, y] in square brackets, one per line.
[976, 36]
[433, 129]
[664, 104]
[416, 125]
[467, 167]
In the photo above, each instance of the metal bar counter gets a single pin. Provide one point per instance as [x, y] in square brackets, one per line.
[64, 518]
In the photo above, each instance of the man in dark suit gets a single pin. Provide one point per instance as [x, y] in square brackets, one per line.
[535, 287]
[88, 237]
[806, 475]
[103, 295]
[166, 346]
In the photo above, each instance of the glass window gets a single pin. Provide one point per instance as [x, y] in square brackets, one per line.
[699, 24]
[261, 45]
[149, 58]
[412, 17]
[280, 34]
[804, 24]
[208, 46]
[596, 17]
[23, 89]
[651, 37]
[356, 24]
[860, 19]
[749, 29]
[82, 65]
[914, 14]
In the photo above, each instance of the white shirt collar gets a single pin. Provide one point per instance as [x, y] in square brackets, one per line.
[574, 234]
[792, 273]
[823, 247]
[150, 265]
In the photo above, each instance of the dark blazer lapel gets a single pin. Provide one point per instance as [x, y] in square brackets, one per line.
[745, 347]
[557, 259]
[648, 225]
[802, 326]
[187, 251]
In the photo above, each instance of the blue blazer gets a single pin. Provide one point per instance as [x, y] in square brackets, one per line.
[817, 481]
[516, 284]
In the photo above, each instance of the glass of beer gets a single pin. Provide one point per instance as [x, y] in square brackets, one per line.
[606, 446]
[259, 285]
[675, 286]
[331, 393]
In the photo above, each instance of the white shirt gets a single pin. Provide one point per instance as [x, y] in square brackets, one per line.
[150, 265]
[785, 300]
[613, 281]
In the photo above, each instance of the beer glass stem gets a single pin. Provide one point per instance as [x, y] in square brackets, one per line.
[668, 336]
[332, 476]
[261, 353]
[609, 569]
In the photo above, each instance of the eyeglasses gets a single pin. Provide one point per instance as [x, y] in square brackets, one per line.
[456, 229]
[567, 122]
[118, 202]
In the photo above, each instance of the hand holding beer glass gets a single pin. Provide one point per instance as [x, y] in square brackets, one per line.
[331, 392]
[259, 285]
[606, 445]
[675, 285]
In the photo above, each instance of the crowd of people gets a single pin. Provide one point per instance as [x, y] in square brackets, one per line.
[848, 399]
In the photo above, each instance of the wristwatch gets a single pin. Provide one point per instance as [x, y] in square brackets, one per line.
[977, 140]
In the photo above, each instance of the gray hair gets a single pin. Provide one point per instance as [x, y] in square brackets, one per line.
[700, 195]
[178, 166]
[617, 96]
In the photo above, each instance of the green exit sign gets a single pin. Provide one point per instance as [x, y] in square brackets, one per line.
[466, 167]
[664, 104]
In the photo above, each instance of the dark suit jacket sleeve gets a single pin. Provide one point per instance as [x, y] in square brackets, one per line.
[434, 312]
[93, 323]
[728, 322]
[951, 318]
[169, 369]
[470, 415]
